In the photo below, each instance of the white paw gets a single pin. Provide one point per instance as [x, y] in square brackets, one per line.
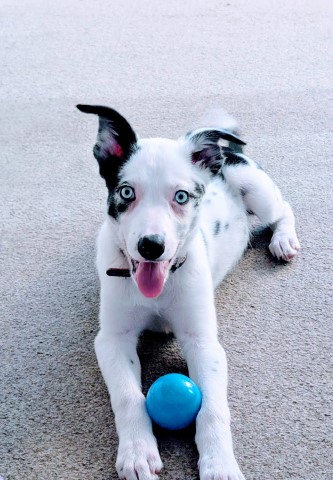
[284, 246]
[216, 468]
[138, 460]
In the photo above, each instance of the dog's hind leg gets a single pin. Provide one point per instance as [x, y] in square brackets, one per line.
[263, 198]
[138, 456]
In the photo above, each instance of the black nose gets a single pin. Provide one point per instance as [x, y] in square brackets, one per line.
[151, 247]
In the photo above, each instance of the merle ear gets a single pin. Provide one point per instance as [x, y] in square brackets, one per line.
[115, 141]
[207, 147]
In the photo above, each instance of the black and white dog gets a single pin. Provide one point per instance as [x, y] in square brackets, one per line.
[177, 222]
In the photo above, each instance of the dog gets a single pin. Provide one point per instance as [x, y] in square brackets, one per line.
[176, 224]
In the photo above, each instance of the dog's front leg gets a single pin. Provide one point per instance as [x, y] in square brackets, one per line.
[138, 457]
[207, 366]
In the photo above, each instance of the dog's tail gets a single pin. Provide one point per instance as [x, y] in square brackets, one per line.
[219, 118]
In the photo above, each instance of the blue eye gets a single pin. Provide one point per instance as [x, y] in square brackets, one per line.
[127, 193]
[181, 197]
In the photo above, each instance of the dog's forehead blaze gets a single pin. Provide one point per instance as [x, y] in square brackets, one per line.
[160, 162]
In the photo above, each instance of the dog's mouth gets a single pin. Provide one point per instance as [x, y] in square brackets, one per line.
[150, 277]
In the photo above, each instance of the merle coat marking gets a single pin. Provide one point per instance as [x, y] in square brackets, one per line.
[169, 201]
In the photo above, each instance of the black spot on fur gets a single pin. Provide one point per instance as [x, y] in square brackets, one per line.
[131, 361]
[199, 189]
[232, 158]
[243, 191]
[217, 228]
[226, 226]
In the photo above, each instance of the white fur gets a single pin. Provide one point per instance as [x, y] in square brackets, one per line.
[186, 305]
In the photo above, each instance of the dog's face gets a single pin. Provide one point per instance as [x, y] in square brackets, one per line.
[155, 190]
[156, 203]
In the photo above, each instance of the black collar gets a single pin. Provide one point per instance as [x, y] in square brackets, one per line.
[124, 272]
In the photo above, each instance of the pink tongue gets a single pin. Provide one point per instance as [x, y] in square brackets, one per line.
[150, 278]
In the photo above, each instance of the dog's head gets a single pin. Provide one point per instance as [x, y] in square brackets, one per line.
[155, 188]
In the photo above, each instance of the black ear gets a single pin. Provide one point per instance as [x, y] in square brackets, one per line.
[116, 140]
[207, 147]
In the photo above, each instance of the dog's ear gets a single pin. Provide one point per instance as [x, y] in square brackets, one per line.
[115, 141]
[207, 145]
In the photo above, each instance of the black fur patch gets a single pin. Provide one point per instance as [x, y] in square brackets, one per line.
[116, 208]
[210, 158]
[232, 158]
[217, 227]
[199, 189]
[109, 168]
[112, 205]
[213, 135]
[199, 193]
[207, 152]
[116, 142]
[123, 206]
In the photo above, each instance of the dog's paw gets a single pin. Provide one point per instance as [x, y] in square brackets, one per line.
[217, 468]
[138, 460]
[284, 246]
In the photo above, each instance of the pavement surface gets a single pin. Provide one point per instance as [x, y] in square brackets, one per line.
[161, 64]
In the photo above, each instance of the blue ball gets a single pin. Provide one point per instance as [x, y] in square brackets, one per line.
[173, 401]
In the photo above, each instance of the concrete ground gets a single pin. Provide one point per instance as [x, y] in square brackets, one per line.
[161, 64]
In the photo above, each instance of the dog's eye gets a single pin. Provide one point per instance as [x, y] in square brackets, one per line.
[181, 197]
[127, 193]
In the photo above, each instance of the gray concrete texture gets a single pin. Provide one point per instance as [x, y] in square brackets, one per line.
[161, 64]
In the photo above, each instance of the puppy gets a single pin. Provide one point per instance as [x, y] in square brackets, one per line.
[176, 224]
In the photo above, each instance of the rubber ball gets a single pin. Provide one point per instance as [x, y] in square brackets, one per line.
[173, 401]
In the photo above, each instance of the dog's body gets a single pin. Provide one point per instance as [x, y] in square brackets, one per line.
[177, 222]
